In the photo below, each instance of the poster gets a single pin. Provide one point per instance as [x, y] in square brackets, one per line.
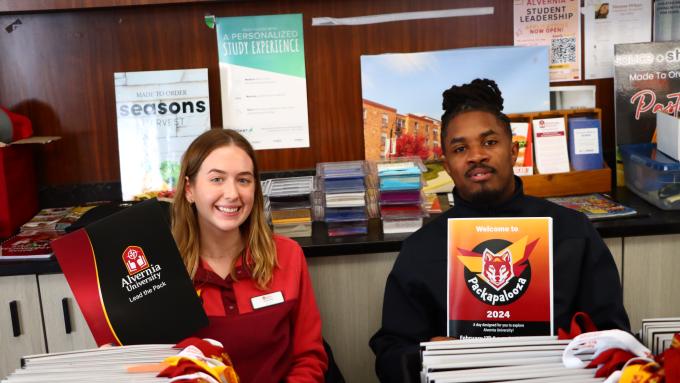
[398, 124]
[666, 20]
[613, 22]
[646, 81]
[500, 277]
[159, 113]
[555, 24]
[263, 80]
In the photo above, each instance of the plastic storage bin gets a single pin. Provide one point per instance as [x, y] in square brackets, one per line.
[652, 175]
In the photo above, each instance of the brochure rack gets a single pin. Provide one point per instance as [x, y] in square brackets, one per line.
[573, 182]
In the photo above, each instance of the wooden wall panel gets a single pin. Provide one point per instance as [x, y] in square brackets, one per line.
[57, 68]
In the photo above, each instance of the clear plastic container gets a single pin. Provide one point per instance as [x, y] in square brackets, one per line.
[652, 175]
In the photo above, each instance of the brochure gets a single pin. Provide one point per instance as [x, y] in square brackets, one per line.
[129, 280]
[499, 277]
[550, 143]
[521, 134]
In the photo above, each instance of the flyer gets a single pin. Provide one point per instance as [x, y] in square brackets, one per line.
[555, 24]
[159, 114]
[608, 23]
[499, 277]
[550, 145]
[666, 20]
[263, 80]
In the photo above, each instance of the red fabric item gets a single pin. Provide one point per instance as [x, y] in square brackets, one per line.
[21, 125]
[609, 361]
[184, 367]
[277, 343]
[671, 360]
[576, 329]
[208, 349]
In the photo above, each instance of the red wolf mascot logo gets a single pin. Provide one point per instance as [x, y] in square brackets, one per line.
[497, 269]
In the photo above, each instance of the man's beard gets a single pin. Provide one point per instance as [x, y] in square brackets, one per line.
[486, 197]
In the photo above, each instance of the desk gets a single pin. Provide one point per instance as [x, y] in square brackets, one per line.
[349, 276]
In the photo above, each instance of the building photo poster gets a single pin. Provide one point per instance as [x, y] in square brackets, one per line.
[397, 124]
[499, 277]
[159, 113]
[556, 26]
[263, 79]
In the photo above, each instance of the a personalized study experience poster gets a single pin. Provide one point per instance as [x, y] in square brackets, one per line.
[500, 277]
[263, 81]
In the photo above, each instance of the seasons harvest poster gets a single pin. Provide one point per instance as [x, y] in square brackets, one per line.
[499, 277]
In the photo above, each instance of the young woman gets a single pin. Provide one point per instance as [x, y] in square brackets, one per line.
[254, 285]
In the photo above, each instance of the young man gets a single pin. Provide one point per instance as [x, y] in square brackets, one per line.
[479, 155]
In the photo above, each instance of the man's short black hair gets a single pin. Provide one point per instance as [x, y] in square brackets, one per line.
[479, 95]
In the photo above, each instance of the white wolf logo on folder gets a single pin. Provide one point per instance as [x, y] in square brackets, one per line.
[497, 269]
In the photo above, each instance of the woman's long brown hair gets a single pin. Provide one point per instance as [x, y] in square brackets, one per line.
[256, 234]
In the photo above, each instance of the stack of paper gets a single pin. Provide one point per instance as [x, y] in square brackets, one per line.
[401, 198]
[291, 205]
[657, 333]
[437, 180]
[109, 364]
[33, 240]
[510, 359]
[344, 197]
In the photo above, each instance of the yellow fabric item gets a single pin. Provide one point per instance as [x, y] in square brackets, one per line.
[641, 373]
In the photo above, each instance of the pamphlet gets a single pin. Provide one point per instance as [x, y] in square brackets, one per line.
[585, 143]
[550, 143]
[521, 134]
[500, 277]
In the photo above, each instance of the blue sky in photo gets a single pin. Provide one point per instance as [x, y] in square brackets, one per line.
[414, 82]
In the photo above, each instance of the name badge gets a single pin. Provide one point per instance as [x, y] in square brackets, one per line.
[267, 300]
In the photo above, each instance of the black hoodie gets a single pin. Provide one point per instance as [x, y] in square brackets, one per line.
[414, 309]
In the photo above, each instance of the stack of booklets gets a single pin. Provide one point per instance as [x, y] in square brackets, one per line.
[108, 364]
[343, 190]
[595, 206]
[33, 240]
[290, 203]
[401, 198]
[534, 359]
[657, 333]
